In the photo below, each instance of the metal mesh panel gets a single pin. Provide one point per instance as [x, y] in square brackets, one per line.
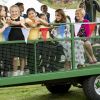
[39, 57]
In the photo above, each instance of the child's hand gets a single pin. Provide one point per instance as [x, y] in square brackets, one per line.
[37, 22]
[23, 25]
[8, 20]
[3, 21]
[6, 25]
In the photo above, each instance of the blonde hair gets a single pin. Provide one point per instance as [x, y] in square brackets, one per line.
[15, 6]
[81, 10]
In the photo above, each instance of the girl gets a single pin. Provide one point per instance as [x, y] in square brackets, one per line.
[3, 24]
[16, 34]
[4, 61]
[43, 17]
[60, 17]
[34, 22]
[80, 13]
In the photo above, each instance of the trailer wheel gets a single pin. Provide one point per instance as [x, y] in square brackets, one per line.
[91, 87]
[58, 88]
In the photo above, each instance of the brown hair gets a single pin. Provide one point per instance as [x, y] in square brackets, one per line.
[19, 4]
[6, 9]
[61, 12]
[0, 11]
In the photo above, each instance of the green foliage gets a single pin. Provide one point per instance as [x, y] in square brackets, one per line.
[73, 5]
[60, 5]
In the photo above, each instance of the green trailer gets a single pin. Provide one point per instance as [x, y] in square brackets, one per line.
[56, 77]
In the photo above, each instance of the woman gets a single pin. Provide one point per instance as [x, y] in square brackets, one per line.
[60, 17]
[80, 13]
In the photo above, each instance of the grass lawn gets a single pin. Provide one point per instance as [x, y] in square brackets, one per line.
[38, 92]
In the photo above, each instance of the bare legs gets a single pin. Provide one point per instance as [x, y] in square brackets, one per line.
[89, 52]
[16, 63]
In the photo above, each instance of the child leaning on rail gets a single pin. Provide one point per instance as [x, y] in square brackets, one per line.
[35, 23]
[60, 17]
[46, 48]
[4, 61]
[17, 49]
[80, 13]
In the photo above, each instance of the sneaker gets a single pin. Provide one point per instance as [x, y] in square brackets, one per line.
[18, 71]
[5, 74]
[15, 73]
[21, 73]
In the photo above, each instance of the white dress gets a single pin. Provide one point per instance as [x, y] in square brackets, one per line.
[79, 49]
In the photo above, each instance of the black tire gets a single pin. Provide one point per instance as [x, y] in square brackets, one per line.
[89, 87]
[58, 88]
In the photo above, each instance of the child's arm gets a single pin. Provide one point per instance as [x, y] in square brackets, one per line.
[30, 23]
[22, 22]
[3, 28]
[5, 25]
[43, 22]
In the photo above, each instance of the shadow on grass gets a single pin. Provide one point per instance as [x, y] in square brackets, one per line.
[38, 92]
[76, 94]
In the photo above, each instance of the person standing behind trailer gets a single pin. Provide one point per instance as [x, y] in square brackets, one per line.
[21, 7]
[82, 5]
[79, 14]
[96, 7]
[60, 17]
[44, 10]
[17, 50]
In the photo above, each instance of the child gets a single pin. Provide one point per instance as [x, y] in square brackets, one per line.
[16, 34]
[45, 47]
[3, 24]
[34, 22]
[80, 13]
[44, 18]
[4, 58]
[60, 17]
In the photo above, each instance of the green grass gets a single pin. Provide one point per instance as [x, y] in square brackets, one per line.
[38, 92]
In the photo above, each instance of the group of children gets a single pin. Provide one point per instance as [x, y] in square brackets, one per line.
[16, 22]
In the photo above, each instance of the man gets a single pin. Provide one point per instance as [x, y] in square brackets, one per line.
[96, 7]
[44, 10]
